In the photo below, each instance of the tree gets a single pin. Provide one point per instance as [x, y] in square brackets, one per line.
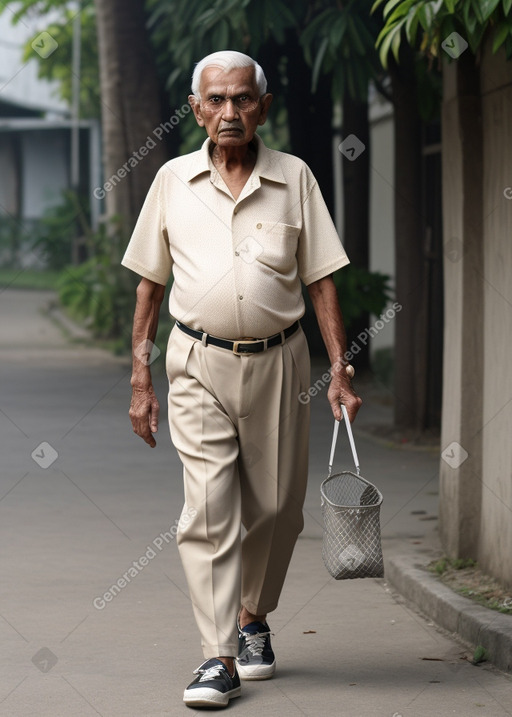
[56, 66]
[130, 98]
[425, 24]
[474, 492]
[340, 40]
[314, 55]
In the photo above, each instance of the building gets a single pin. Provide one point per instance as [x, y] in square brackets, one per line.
[35, 143]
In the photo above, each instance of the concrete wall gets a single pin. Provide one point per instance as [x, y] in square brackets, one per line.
[496, 512]
[45, 170]
[19, 81]
[382, 203]
[476, 464]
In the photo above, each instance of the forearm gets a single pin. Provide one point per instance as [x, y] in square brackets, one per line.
[324, 297]
[145, 325]
[330, 320]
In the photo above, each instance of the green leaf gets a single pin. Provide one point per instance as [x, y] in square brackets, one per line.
[411, 26]
[507, 5]
[338, 29]
[355, 38]
[469, 18]
[386, 30]
[500, 36]
[475, 4]
[475, 39]
[480, 655]
[426, 15]
[450, 6]
[395, 45]
[389, 6]
[400, 11]
[318, 62]
[487, 7]
[386, 44]
[318, 26]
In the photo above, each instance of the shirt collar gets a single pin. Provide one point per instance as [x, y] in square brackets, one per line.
[266, 167]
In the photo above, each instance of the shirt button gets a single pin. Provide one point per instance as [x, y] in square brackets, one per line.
[240, 297]
[237, 253]
[235, 210]
[259, 225]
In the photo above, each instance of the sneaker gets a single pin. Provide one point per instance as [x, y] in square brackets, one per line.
[256, 659]
[213, 686]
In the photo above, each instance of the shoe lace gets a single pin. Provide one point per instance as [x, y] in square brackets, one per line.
[255, 643]
[209, 674]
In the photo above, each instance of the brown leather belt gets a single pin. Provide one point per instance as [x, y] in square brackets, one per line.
[242, 346]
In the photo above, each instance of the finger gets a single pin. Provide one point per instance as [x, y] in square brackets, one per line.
[352, 405]
[336, 410]
[147, 436]
[155, 411]
[141, 427]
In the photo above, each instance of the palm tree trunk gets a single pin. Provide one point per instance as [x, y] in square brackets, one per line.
[356, 207]
[410, 365]
[131, 103]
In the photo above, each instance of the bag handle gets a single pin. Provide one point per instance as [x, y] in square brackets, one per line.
[350, 438]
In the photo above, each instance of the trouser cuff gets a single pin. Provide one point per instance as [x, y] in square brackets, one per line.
[226, 650]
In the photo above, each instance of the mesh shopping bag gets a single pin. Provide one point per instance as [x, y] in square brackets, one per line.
[351, 546]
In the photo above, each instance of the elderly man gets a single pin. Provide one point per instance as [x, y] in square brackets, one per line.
[239, 226]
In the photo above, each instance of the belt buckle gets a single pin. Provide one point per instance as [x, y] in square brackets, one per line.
[235, 348]
[242, 341]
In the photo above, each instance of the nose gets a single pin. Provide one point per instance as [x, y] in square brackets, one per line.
[230, 110]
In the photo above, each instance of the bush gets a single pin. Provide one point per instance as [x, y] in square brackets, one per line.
[100, 292]
[58, 228]
[361, 291]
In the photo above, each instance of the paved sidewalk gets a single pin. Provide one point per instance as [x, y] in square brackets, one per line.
[82, 499]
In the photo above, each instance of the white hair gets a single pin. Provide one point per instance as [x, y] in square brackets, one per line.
[228, 60]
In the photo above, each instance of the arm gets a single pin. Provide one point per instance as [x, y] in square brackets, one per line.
[328, 313]
[144, 406]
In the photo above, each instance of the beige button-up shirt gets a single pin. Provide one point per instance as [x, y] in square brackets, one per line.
[237, 264]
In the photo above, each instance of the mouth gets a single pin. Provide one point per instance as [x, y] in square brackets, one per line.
[230, 129]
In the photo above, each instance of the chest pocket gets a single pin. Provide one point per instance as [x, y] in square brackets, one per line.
[277, 246]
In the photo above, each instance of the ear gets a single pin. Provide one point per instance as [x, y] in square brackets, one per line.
[196, 109]
[265, 103]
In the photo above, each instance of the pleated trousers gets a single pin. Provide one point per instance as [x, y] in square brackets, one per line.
[242, 436]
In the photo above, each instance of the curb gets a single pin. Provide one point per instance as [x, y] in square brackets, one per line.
[473, 623]
[73, 330]
[389, 443]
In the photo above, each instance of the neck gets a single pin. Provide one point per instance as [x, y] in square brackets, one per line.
[233, 157]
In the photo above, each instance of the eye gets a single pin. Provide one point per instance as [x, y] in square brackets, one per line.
[215, 99]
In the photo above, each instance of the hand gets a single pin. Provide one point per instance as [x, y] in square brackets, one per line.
[341, 391]
[143, 413]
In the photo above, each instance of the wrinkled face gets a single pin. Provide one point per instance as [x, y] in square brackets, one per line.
[230, 108]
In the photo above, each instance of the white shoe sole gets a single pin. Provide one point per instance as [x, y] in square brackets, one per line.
[256, 672]
[206, 697]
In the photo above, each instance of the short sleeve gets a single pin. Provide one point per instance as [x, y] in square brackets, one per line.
[148, 252]
[320, 251]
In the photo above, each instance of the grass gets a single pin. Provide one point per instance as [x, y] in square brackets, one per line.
[465, 578]
[28, 279]
[442, 565]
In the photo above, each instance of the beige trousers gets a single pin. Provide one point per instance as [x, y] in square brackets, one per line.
[242, 436]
